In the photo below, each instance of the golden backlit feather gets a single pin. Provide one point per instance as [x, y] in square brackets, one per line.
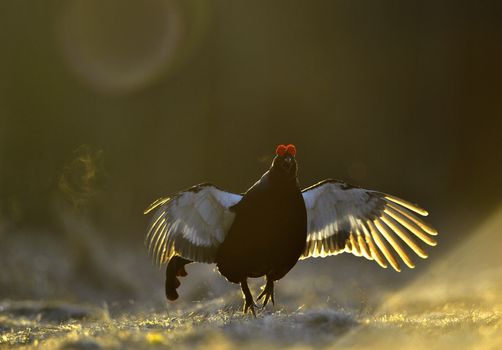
[343, 218]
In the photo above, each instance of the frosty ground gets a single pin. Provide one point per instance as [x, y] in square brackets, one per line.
[341, 302]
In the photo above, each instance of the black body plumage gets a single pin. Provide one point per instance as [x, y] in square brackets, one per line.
[269, 231]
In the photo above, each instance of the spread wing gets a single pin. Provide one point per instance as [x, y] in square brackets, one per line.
[343, 218]
[191, 224]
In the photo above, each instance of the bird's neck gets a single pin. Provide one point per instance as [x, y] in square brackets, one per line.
[279, 177]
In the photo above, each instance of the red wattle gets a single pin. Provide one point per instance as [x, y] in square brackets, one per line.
[280, 150]
[291, 149]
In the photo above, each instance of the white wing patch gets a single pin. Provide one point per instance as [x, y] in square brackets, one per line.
[342, 218]
[191, 224]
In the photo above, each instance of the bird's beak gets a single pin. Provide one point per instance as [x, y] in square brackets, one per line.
[288, 163]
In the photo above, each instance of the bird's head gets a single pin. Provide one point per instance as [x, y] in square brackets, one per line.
[285, 160]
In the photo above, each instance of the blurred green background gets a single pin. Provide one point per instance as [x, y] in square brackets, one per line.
[107, 105]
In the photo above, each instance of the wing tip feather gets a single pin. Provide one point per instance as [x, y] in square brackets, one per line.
[408, 205]
[155, 204]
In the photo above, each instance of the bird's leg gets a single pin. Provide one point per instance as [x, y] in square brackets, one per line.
[175, 267]
[248, 298]
[268, 292]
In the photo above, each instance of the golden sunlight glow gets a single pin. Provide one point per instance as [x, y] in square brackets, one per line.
[456, 304]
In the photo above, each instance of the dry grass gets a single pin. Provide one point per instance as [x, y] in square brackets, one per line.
[456, 303]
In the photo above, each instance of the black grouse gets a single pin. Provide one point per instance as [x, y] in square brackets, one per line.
[283, 224]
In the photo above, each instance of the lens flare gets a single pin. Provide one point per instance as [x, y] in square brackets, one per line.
[120, 46]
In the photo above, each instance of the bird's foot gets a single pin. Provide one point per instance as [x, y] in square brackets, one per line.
[175, 268]
[249, 304]
[248, 298]
[181, 272]
[267, 293]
